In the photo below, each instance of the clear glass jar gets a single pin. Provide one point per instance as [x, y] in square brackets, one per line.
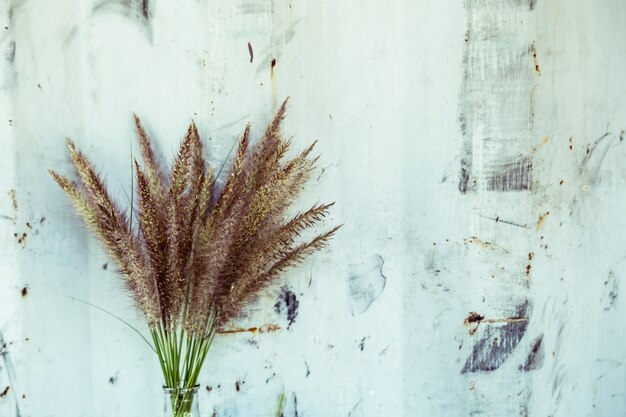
[181, 402]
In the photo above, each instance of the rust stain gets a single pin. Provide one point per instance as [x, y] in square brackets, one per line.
[24, 292]
[13, 197]
[509, 320]
[541, 220]
[533, 51]
[20, 238]
[272, 66]
[272, 71]
[485, 244]
[544, 141]
[474, 319]
[266, 328]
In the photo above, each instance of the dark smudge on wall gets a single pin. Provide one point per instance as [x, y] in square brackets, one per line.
[287, 303]
[497, 342]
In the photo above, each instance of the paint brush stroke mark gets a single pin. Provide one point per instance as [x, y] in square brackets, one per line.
[71, 35]
[140, 11]
[10, 52]
[357, 406]
[594, 156]
[530, 4]
[535, 357]
[9, 80]
[290, 408]
[253, 8]
[497, 343]
[495, 117]
[10, 371]
[514, 175]
[287, 303]
[251, 52]
[611, 289]
[366, 283]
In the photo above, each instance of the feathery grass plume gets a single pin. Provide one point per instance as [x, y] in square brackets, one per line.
[155, 175]
[193, 266]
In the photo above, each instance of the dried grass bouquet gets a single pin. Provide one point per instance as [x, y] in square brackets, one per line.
[198, 255]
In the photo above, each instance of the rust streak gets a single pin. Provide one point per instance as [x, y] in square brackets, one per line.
[272, 66]
[541, 220]
[509, 320]
[533, 52]
[475, 318]
[13, 197]
[266, 328]
[543, 142]
[485, 244]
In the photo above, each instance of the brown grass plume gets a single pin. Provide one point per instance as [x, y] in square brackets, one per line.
[201, 255]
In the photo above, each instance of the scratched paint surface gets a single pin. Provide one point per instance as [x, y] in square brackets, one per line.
[475, 153]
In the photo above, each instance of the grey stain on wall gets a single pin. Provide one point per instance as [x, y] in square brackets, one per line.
[514, 175]
[287, 303]
[536, 355]
[10, 52]
[10, 371]
[495, 117]
[140, 11]
[497, 342]
[366, 283]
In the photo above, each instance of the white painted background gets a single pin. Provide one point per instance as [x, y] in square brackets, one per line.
[411, 101]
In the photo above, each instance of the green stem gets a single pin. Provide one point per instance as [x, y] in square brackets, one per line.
[181, 355]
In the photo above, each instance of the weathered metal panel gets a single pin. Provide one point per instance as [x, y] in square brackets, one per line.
[475, 153]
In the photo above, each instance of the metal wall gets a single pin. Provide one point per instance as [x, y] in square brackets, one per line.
[475, 153]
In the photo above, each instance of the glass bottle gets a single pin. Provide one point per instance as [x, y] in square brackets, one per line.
[181, 402]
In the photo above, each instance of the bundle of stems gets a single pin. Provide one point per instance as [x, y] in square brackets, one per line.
[198, 253]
